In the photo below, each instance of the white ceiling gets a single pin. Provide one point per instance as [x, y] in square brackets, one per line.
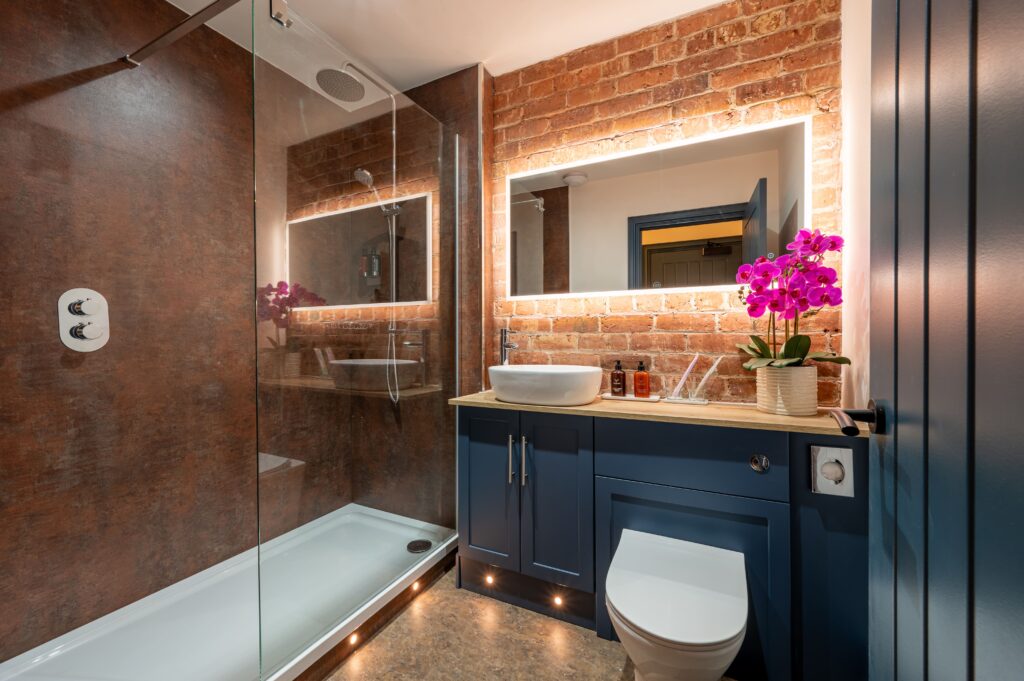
[411, 42]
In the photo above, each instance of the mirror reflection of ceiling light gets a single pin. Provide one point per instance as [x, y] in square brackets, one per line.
[574, 179]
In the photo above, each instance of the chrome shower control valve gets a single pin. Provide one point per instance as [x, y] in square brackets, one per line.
[87, 331]
[83, 320]
[87, 307]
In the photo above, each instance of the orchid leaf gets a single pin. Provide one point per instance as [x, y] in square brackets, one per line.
[835, 359]
[796, 348]
[748, 349]
[758, 363]
[788, 361]
[761, 346]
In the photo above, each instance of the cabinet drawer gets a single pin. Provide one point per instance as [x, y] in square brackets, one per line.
[695, 457]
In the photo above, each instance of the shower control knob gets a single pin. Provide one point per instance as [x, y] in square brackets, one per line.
[87, 331]
[86, 307]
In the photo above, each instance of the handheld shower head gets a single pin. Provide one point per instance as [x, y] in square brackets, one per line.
[363, 177]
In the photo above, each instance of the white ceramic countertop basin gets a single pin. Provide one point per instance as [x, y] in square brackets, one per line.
[372, 374]
[552, 385]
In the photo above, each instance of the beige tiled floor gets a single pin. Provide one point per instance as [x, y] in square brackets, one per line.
[452, 634]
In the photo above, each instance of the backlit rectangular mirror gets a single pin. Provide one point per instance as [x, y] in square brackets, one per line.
[345, 257]
[675, 217]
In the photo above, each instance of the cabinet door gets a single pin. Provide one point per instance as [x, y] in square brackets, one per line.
[489, 486]
[557, 533]
[758, 529]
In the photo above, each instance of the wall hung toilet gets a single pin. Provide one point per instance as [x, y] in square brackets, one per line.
[679, 608]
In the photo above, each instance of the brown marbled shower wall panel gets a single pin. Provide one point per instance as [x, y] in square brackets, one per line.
[458, 100]
[130, 468]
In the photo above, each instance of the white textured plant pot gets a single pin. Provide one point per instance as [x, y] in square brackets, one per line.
[791, 391]
[292, 365]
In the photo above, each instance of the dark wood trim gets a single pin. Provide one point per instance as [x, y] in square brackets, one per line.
[336, 656]
[637, 225]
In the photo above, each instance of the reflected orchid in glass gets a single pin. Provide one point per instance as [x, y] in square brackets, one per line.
[794, 285]
[274, 303]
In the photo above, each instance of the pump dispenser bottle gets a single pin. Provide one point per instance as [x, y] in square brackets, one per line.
[618, 380]
[641, 382]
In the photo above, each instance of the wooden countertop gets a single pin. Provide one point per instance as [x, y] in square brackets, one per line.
[720, 415]
[321, 384]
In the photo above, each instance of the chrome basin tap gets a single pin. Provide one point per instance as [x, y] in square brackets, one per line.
[506, 345]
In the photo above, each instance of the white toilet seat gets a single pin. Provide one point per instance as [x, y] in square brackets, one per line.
[679, 608]
[677, 591]
[673, 645]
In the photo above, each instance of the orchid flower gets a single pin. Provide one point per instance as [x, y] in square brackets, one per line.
[788, 287]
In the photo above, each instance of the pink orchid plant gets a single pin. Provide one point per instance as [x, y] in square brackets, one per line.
[794, 285]
[274, 303]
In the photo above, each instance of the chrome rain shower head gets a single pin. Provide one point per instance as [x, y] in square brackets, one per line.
[340, 85]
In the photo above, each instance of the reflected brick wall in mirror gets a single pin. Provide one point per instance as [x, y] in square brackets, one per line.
[732, 65]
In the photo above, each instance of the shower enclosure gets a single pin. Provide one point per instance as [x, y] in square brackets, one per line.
[261, 454]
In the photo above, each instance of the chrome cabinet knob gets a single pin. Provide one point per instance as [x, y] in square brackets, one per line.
[760, 463]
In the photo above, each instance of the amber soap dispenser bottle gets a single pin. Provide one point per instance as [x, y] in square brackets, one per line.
[641, 382]
[618, 380]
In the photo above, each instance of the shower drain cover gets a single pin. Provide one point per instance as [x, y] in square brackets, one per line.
[418, 545]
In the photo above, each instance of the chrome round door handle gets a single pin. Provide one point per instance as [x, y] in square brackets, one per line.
[760, 463]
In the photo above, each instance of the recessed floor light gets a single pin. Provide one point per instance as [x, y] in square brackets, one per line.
[415, 586]
[558, 600]
[489, 579]
[353, 639]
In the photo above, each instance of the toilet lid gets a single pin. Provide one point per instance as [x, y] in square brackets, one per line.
[677, 590]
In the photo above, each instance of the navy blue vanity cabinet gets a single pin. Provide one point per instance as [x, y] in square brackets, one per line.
[557, 517]
[489, 486]
[526, 494]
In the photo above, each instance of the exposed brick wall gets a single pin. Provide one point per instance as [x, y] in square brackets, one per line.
[737, 64]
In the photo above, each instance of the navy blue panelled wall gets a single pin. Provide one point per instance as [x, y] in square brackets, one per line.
[947, 503]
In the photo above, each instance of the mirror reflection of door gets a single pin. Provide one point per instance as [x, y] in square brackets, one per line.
[699, 247]
[694, 255]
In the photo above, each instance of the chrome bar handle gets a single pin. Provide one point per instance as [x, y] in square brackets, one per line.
[522, 461]
[510, 474]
